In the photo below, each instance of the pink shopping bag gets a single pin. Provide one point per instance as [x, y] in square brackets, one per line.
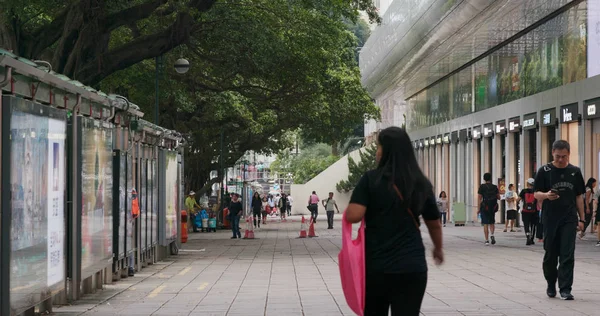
[352, 266]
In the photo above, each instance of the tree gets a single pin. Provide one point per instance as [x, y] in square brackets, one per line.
[89, 40]
[259, 68]
[310, 162]
[357, 169]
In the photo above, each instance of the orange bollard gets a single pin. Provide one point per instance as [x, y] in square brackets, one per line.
[184, 232]
[311, 229]
[303, 228]
[225, 218]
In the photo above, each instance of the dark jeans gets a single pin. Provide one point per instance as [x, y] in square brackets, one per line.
[403, 292]
[235, 226]
[530, 221]
[330, 219]
[559, 243]
[256, 216]
[314, 211]
[588, 219]
[540, 227]
[443, 219]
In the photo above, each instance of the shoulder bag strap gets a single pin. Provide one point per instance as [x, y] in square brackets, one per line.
[407, 208]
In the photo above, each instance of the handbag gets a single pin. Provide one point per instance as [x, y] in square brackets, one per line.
[351, 260]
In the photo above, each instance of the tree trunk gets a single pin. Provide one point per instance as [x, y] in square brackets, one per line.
[335, 150]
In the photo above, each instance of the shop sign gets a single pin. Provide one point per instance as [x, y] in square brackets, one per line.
[421, 143]
[591, 108]
[548, 117]
[446, 139]
[568, 113]
[463, 135]
[426, 142]
[501, 186]
[529, 121]
[416, 144]
[476, 133]
[488, 130]
[501, 127]
[438, 140]
[514, 125]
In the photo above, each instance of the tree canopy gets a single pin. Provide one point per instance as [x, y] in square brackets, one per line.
[259, 68]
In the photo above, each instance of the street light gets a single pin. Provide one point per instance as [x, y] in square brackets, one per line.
[182, 66]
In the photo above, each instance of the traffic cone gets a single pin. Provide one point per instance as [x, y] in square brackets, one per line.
[249, 234]
[246, 233]
[303, 228]
[311, 229]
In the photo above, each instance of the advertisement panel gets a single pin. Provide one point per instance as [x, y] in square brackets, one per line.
[153, 183]
[593, 38]
[96, 186]
[129, 217]
[37, 180]
[142, 197]
[122, 205]
[171, 195]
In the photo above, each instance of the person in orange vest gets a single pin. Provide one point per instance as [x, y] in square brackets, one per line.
[135, 213]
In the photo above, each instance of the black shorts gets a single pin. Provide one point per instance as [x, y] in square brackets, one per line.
[511, 214]
[487, 218]
[597, 217]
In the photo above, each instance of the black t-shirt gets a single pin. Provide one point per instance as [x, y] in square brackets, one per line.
[235, 208]
[569, 183]
[529, 201]
[392, 242]
[489, 192]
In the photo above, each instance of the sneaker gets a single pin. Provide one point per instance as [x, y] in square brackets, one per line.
[513, 231]
[529, 240]
[505, 230]
[234, 237]
[598, 244]
[551, 291]
[487, 243]
[444, 225]
[493, 240]
[566, 296]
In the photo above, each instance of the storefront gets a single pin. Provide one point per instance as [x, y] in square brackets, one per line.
[529, 129]
[549, 124]
[499, 166]
[570, 120]
[592, 138]
[476, 177]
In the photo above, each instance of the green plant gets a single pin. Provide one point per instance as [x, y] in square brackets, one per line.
[358, 168]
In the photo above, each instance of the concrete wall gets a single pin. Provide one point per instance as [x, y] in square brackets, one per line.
[323, 184]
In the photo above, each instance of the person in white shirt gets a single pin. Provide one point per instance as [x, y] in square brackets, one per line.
[290, 203]
[511, 208]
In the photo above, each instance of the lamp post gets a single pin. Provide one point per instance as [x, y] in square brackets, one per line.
[181, 66]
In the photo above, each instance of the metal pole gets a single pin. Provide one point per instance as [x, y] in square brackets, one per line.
[157, 62]
[222, 171]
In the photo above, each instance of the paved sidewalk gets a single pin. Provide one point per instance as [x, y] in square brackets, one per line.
[278, 274]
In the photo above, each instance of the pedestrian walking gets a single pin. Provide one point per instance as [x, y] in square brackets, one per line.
[560, 186]
[329, 203]
[264, 210]
[283, 205]
[313, 205]
[235, 212]
[511, 208]
[256, 206]
[588, 205]
[529, 213]
[391, 199]
[442, 204]
[191, 204]
[271, 201]
[489, 195]
[290, 203]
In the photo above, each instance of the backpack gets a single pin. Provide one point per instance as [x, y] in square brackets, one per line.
[529, 202]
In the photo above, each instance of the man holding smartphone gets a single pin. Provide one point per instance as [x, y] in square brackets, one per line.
[560, 186]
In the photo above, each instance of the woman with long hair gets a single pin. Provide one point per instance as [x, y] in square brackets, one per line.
[391, 199]
[588, 204]
[256, 208]
[442, 204]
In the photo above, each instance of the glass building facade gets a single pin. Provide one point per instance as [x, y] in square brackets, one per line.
[550, 55]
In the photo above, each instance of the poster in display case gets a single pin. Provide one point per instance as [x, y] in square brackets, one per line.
[96, 194]
[142, 197]
[153, 184]
[128, 214]
[34, 137]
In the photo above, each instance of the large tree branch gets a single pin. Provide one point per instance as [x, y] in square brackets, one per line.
[35, 43]
[132, 14]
